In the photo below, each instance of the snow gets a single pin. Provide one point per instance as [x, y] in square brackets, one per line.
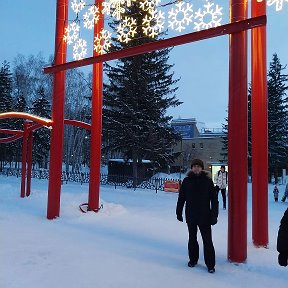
[134, 241]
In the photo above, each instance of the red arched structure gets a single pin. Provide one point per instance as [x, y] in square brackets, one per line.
[28, 128]
[237, 117]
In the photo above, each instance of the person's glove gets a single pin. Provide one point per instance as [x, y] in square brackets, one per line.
[213, 220]
[282, 259]
[180, 217]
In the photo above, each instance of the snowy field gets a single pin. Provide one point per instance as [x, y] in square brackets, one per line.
[134, 241]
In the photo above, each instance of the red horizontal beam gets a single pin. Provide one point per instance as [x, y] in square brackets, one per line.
[165, 43]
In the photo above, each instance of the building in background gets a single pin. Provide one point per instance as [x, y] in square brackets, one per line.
[197, 142]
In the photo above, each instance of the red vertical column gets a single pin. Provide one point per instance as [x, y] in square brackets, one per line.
[237, 137]
[29, 161]
[96, 125]
[259, 111]
[24, 159]
[56, 150]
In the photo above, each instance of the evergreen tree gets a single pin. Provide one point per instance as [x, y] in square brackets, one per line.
[139, 91]
[277, 117]
[41, 137]
[6, 105]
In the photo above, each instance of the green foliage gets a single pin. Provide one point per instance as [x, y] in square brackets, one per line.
[277, 115]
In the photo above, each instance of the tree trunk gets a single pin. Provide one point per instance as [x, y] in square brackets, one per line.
[135, 168]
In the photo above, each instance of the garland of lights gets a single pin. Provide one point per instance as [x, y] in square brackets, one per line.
[278, 3]
[177, 22]
[208, 13]
[153, 23]
[102, 41]
[180, 16]
[71, 33]
[79, 49]
[127, 29]
[91, 17]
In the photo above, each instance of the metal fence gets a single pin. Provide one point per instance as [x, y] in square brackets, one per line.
[80, 177]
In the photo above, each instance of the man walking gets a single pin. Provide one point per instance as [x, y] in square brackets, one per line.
[201, 211]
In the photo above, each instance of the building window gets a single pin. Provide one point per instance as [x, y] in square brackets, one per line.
[193, 146]
[201, 145]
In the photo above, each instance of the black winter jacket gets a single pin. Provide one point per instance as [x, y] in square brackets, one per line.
[282, 239]
[199, 194]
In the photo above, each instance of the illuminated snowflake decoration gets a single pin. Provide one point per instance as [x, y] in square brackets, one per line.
[181, 16]
[79, 49]
[208, 17]
[71, 33]
[116, 7]
[279, 4]
[149, 5]
[77, 5]
[153, 23]
[91, 17]
[102, 42]
[127, 30]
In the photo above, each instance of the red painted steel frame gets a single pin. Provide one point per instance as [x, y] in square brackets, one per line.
[259, 108]
[56, 150]
[161, 44]
[24, 160]
[237, 118]
[96, 125]
[40, 120]
[29, 162]
[9, 131]
[17, 135]
[237, 138]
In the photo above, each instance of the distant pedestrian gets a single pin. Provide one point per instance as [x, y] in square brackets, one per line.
[276, 193]
[285, 193]
[282, 240]
[221, 183]
[198, 194]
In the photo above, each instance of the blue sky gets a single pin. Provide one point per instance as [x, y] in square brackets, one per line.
[28, 27]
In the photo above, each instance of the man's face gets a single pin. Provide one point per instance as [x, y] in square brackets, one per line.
[196, 169]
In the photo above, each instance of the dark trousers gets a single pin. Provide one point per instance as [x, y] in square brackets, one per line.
[223, 192]
[193, 246]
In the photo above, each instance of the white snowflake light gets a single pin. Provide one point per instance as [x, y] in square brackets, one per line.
[116, 7]
[71, 33]
[91, 17]
[279, 4]
[153, 23]
[79, 49]
[149, 5]
[102, 41]
[208, 17]
[127, 29]
[181, 16]
[77, 5]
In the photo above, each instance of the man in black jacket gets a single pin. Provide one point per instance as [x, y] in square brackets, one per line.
[282, 240]
[201, 210]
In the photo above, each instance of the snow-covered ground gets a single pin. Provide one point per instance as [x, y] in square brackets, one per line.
[134, 241]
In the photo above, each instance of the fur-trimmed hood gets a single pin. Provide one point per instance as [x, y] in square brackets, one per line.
[190, 173]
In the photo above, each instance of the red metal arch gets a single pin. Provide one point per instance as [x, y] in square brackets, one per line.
[27, 116]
